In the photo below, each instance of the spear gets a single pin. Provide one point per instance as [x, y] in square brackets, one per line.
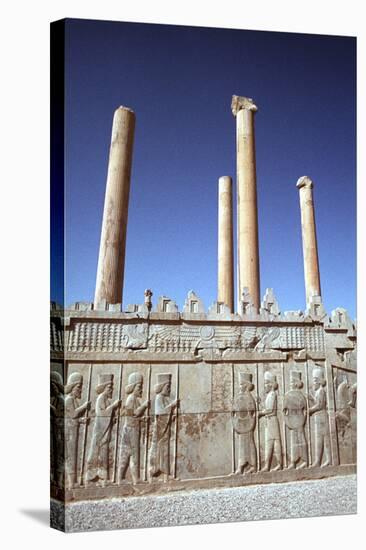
[257, 425]
[117, 434]
[147, 424]
[307, 405]
[284, 423]
[85, 431]
[176, 427]
[233, 435]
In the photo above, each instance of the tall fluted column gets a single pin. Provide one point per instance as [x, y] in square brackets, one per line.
[247, 216]
[109, 285]
[309, 241]
[225, 291]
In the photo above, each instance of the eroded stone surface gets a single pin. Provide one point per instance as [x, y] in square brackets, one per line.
[167, 400]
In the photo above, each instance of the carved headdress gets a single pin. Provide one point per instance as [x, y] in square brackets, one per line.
[295, 376]
[133, 379]
[270, 377]
[74, 379]
[56, 379]
[246, 378]
[318, 372]
[161, 380]
[103, 381]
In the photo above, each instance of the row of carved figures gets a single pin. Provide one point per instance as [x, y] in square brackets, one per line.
[68, 414]
[297, 407]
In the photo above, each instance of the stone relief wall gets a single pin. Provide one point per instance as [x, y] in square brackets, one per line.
[141, 405]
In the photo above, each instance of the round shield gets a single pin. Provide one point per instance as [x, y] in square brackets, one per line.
[244, 424]
[294, 406]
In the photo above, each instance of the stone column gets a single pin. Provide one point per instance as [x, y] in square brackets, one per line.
[225, 291]
[247, 217]
[309, 242]
[109, 285]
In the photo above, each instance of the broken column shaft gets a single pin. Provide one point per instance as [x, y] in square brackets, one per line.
[309, 241]
[225, 291]
[247, 216]
[111, 262]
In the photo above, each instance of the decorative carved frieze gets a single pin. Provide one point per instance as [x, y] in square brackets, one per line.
[121, 426]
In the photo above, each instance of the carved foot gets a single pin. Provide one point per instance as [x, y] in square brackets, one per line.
[265, 468]
[302, 465]
[291, 466]
[251, 470]
[326, 463]
[239, 470]
[278, 467]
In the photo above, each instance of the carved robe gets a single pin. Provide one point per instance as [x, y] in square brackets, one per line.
[294, 407]
[130, 442]
[343, 414]
[57, 407]
[159, 458]
[72, 422]
[272, 425]
[244, 422]
[98, 458]
[321, 425]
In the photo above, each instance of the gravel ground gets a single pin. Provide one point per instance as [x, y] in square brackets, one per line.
[332, 496]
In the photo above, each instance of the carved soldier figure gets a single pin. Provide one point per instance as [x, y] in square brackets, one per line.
[321, 422]
[159, 456]
[353, 396]
[74, 411]
[272, 428]
[295, 411]
[130, 443]
[98, 458]
[244, 420]
[343, 402]
[57, 406]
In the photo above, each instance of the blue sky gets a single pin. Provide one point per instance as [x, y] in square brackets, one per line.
[179, 81]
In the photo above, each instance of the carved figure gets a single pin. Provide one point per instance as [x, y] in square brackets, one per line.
[272, 428]
[267, 338]
[130, 442]
[295, 411]
[73, 413]
[344, 400]
[159, 456]
[321, 422]
[353, 396]
[57, 428]
[98, 458]
[244, 421]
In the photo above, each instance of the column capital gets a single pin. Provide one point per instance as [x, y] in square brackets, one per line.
[305, 181]
[124, 108]
[238, 103]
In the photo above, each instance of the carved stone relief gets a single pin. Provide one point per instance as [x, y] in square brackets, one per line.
[133, 411]
[75, 416]
[101, 452]
[160, 448]
[244, 424]
[345, 388]
[57, 411]
[295, 410]
[152, 424]
[269, 412]
[318, 410]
